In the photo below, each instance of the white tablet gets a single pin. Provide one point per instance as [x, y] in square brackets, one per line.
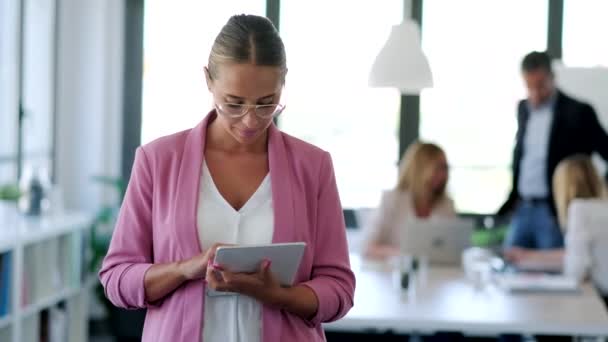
[285, 260]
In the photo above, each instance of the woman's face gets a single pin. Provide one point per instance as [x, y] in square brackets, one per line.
[246, 84]
[439, 175]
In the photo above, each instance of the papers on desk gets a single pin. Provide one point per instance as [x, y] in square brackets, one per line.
[535, 267]
[537, 282]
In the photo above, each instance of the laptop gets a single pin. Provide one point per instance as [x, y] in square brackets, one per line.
[441, 241]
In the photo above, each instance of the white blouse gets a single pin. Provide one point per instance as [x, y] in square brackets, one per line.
[396, 209]
[587, 242]
[233, 317]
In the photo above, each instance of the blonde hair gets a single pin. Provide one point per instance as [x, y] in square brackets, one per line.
[575, 177]
[247, 39]
[416, 170]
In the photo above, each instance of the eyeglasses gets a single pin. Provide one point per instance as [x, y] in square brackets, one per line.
[237, 111]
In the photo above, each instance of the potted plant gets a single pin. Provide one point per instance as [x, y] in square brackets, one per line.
[9, 192]
[9, 196]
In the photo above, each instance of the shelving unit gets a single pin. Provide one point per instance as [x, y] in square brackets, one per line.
[42, 271]
[5, 321]
[6, 334]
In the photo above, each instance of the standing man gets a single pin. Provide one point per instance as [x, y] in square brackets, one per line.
[551, 126]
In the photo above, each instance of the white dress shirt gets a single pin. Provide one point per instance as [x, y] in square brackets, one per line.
[533, 164]
[232, 318]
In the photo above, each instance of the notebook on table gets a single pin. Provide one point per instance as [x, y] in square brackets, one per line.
[537, 282]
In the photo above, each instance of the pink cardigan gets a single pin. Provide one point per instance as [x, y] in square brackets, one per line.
[157, 224]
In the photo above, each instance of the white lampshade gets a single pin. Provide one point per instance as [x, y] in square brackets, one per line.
[401, 63]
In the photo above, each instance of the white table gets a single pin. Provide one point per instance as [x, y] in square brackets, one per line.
[446, 301]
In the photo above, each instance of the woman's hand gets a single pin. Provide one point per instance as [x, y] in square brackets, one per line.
[196, 267]
[517, 255]
[265, 287]
[261, 285]
[162, 279]
[376, 251]
[546, 259]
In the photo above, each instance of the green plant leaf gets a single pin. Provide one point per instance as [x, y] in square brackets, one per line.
[100, 241]
[9, 192]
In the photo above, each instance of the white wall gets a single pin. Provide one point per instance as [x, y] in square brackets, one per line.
[590, 85]
[89, 98]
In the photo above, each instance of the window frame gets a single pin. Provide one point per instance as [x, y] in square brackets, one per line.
[20, 157]
[409, 107]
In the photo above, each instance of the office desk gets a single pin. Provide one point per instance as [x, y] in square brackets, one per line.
[446, 301]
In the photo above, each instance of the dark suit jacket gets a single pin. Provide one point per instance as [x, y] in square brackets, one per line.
[574, 129]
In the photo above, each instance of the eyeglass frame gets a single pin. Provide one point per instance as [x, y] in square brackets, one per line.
[246, 108]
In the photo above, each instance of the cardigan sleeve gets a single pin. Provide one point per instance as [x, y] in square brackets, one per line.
[130, 252]
[332, 280]
[578, 242]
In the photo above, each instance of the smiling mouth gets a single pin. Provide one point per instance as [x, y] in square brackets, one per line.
[248, 133]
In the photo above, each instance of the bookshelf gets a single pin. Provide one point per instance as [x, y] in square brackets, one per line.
[43, 292]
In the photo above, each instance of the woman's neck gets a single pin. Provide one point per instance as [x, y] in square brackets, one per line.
[423, 206]
[219, 139]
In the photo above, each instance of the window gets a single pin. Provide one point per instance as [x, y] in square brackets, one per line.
[38, 82]
[8, 89]
[584, 34]
[177, 41]
[475, 49]
[587, 19]
[331, 46]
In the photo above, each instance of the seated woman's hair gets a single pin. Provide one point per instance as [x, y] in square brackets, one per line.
[417, 167]
[575, 177]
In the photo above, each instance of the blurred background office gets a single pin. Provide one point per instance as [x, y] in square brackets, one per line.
[84, 82]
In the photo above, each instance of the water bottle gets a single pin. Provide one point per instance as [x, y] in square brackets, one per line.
[34, 187]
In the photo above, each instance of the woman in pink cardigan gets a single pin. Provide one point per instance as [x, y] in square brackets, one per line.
[233, 179]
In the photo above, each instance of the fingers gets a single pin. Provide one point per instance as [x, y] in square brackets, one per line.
[509, 254]
[241, 282]
[215, 279]
[208, 272]
[248, 284]
[264, 266]
[220, 279]
[217, 245]
[514, 254]
[265, 272]
[210, 253]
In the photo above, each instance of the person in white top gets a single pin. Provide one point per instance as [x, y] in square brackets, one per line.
[235, 178]
[580, 199]
[420, 194]
[219, 222]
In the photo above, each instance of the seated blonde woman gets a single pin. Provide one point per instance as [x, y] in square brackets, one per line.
[580, 197]
[420, 194]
